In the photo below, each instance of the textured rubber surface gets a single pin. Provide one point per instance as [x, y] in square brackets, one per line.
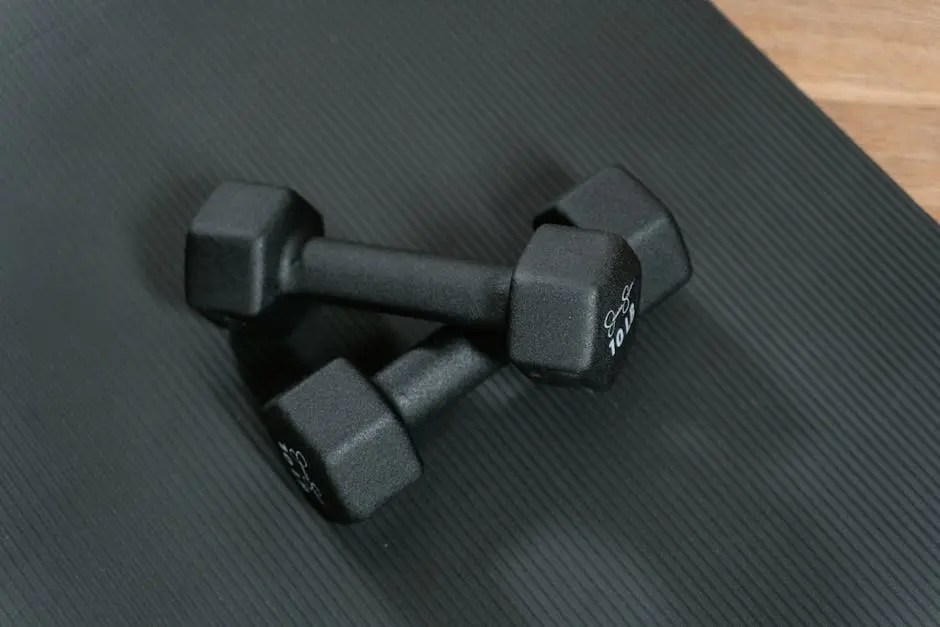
[770, 457]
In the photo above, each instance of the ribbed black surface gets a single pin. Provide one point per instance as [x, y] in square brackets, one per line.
[770, 458]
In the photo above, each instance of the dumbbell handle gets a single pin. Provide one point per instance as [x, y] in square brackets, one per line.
[407, 283]
[444, 366]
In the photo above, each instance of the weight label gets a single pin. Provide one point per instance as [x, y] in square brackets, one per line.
[618, 321]
[297, 464]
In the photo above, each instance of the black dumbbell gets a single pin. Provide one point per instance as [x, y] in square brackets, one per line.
[344, 437]
[251, 246]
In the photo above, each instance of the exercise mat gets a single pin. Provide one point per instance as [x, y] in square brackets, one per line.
[769, 455]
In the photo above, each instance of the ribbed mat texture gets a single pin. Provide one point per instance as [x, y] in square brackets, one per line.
[769, 457]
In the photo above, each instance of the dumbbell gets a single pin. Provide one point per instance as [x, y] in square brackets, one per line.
[345, 438]
[251, 246]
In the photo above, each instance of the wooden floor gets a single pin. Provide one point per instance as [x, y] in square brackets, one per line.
[872, 65]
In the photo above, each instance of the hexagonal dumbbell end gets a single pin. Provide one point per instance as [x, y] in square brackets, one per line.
[614, 200]
[240, 248]
[342, 442]
[575, 296]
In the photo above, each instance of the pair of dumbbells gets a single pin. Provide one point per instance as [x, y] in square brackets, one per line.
[601, 256]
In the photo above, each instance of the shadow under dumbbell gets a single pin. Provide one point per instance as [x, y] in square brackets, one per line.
[663, 481]
[269, 364]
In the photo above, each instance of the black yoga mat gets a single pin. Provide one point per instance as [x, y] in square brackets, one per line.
[770, 455]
